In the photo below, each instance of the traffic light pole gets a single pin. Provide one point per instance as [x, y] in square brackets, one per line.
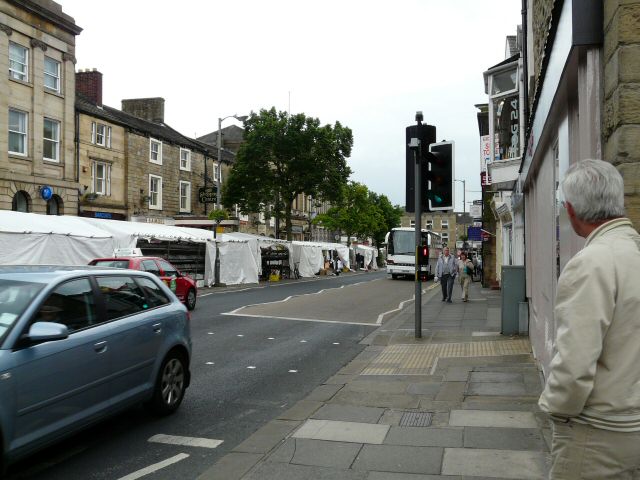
[417, 158]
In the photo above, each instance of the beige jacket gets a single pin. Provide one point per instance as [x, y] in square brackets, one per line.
[594, 377]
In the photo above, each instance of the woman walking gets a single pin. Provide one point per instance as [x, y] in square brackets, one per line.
[465, 267]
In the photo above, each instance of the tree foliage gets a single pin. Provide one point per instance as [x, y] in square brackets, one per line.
[355, 214]
[283, 156]
[391, 214]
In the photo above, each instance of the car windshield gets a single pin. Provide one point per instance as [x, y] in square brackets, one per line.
[112, 263]
[15, 297]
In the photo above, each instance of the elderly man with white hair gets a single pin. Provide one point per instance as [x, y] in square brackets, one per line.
[593, 384]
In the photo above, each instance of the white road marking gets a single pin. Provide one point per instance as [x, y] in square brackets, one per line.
[336, 343]
[210, 363]
[186, 441]
[270, 338]
[239, 335]
[231, 314]
[205, 294]
[303, 341]
[155, 467]
[210, 333]
[251, 367]
[293, 371]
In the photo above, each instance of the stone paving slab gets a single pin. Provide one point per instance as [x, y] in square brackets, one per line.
[494, 463]
[402, 459]
[496, 377]
[485, 418]
[339, 379]
[423, 388]
[451, 391]
[504, 438]
[378, 385]
[342, 431]
[301, 410]
[425, 437]
[497, 389]
[267, 437]
[324, 393]
[231, 467]
[319, 453]
[407, 476]
[349, 413]
[369, 399]
[286, 471]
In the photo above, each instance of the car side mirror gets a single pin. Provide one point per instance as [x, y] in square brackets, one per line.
[47, 331]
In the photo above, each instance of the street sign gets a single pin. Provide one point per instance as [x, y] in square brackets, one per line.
[207, 195]
[474, 234]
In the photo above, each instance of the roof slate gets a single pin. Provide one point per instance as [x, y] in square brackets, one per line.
[161, 131]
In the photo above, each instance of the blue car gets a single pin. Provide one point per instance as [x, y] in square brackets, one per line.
[80, 343]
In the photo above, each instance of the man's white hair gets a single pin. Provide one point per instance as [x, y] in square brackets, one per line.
[595, 189]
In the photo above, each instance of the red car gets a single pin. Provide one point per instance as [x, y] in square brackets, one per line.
[182, 285]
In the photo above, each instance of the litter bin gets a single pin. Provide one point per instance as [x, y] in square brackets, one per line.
[513, 293]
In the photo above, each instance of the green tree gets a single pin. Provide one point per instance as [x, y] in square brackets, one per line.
[392, 214]
[355, 215]
[283, 156]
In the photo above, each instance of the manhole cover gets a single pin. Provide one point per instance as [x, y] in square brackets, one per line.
[416, 419]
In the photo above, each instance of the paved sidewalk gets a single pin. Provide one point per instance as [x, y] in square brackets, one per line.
[460, 403]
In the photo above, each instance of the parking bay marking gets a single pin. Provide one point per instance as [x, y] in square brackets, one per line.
[185, 441]
[155, 467]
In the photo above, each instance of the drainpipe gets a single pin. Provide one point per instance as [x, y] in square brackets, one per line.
[76, 137]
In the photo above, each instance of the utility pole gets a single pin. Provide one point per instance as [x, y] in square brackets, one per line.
[417, 158]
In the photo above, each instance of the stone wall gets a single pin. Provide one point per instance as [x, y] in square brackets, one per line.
[621, 122]
[541, 23]
[139, 169]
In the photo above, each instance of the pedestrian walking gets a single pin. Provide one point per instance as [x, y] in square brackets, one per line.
[592, 389]
[446, 271]
[465, 272]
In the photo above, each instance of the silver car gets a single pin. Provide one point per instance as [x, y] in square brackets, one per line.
[80, 343]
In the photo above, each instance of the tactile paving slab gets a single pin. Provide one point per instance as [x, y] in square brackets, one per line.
[419, 359]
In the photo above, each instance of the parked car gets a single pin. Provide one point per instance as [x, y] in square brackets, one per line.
[182, 285]
[80, 343]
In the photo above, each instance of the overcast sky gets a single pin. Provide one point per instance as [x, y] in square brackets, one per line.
[368, 64]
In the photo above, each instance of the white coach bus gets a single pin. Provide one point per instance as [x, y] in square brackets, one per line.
[401, 247]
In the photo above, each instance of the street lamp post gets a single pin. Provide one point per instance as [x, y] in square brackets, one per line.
[240, 118]
[464, 204]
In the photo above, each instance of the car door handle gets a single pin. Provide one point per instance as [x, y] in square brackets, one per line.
[157, 327]
[100, 347]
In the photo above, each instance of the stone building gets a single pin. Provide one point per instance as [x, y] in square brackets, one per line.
[582, 96]
[134, 166]
[444, 224]
[37, 164]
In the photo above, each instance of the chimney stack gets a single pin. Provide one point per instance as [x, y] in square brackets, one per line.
[89, 84]
[150, 109]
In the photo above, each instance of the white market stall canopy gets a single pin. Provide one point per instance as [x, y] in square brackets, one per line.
[310, 258]
[29, 238]
[370, 254]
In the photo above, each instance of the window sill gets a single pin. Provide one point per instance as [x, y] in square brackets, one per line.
[155, 163]
[50, 161]
[151, 207]
[21, 82]
[19, 156]
[53, 92]
[184, 169]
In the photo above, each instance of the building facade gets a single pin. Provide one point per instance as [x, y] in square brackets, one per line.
[38, 172]
[133, 166]
[443, 224]
[582, 64]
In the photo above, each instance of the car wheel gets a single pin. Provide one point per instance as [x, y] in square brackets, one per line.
[191, 299]
[170, 385]
[394, 276]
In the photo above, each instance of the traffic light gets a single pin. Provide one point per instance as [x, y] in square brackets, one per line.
[422, 262]
[440, 176]
[427, 135]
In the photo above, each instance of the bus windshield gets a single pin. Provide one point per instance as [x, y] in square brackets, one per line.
[403, 242]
